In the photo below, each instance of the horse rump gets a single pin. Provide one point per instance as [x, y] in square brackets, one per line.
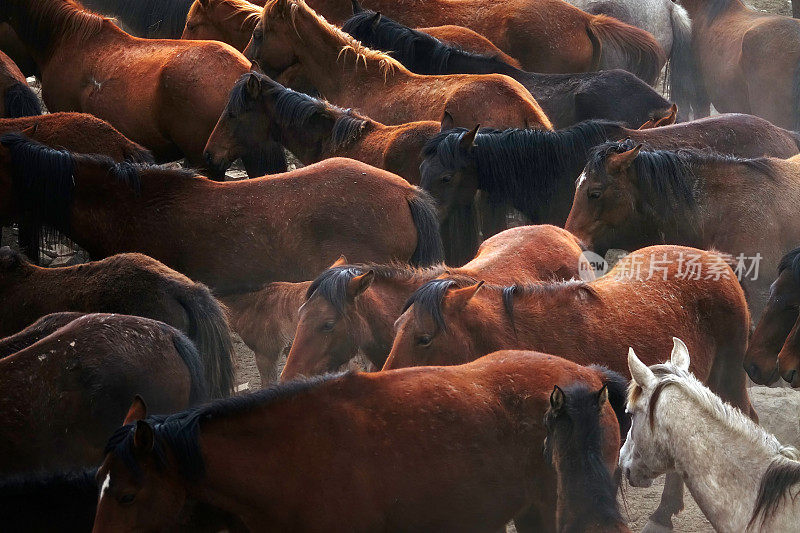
[627, 47]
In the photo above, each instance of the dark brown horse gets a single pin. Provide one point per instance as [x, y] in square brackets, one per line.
[535, 171]
[165, 95]
[645, 300]
[544, 35]
[16, 98]
[63, 395]
[15, 49]
[290, 35]
[352, 308]
[262, 112]
[441, 449]
[587, 493]
[131, 284]
[631, 197]
[234, 236]
[747, 61]
[774, 349]
[566, 98]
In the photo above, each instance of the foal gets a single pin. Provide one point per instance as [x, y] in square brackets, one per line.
[16, 98]
[741, 477]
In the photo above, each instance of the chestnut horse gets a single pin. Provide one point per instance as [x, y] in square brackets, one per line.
[774, 349]
[352, 308]
[233, 236]
[535, 171]
[587, 493]
[16, 98]
[629, 197]
[165, 95]
[131, 284]
[645, 300]
[440, 449]
[566, 98]
[262, 112]
[544, 35]
[63, 395]
[747, 61]
[291, 35]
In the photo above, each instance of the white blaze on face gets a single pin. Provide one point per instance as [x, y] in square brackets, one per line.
[105, 485]
[581, 179]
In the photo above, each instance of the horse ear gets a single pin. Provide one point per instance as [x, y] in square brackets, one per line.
[356, 7]
[447, 121]
[680, 354]
[460, 297]
[617, 163]
[143, 438]
[359, 284]
[137, 411]
[468, 140]
[556, 398]
[376, 18]
[339, 262]
[640, 372]
[670, 117]
[253, 86]
[602, 397]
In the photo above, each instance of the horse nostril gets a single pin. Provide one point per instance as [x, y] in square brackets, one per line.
[790, 376]
[208, 158]
[754, 371]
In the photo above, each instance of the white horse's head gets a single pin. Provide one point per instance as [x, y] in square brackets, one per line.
[644, 456]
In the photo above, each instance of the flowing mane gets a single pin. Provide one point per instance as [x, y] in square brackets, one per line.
[179, 433]
[42, 24]
[791, 261]
[281, 9]
[250, 11]
[146, 18]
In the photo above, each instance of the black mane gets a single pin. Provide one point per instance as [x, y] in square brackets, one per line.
[155, 19]
[332, 284]
[417, 51]
[791, 261]
[522, 166]
[180, 432]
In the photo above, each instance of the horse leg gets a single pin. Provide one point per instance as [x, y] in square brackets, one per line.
[532, 520]
[671, 504]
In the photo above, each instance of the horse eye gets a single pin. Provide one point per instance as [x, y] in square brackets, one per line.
[594, 195]
[446, 179]
[127, 499]
[424, 340]
[328, 325]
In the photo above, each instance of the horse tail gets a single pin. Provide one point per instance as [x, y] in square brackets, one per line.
[198, 393]
[682, 79]
[429, 249]
[208, 328]
[21, 101]
[796, 99]
[617, 386]
[137, 154]
[597, 49]
[782, 474]
[627, 47]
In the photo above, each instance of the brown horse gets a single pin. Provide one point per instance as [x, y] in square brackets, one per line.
[631, 197]
[131, 284]
[747, 61]
[440, 449]
[262, 112]
[266, 320]
[78, 132]
[645, 300]
[15, 49]
[544, 35]
[63, 395]
[774, 349]
[163, 94]
[352, 308]
[16, 98]
[234, 236]
[290, 35]
[587, 493]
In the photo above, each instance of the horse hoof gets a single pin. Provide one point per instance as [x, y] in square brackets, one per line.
[655, 527]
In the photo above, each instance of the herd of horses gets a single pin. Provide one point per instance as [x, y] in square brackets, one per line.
[424, 132]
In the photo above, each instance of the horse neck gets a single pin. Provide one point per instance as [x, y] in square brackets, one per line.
[698, 9]
[463, 62]
[711, 479]
[310, 142]
[240, 25]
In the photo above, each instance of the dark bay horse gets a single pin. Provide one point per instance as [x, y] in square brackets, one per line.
[566, 98]
[233, 236]
[262, 112]
[16, 98]
[131, 284]
[63, 395]
[742, 207]
[544, 35]
[15, 49]
[352, 308]
[290, 35]
[747, 61]
[153, 19]
[587, 492]
[774, 348]
[476, 461]
[535, 171]
[163, 94]
[642, 302]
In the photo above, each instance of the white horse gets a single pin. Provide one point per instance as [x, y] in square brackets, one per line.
[670, 25]
[742, 478]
